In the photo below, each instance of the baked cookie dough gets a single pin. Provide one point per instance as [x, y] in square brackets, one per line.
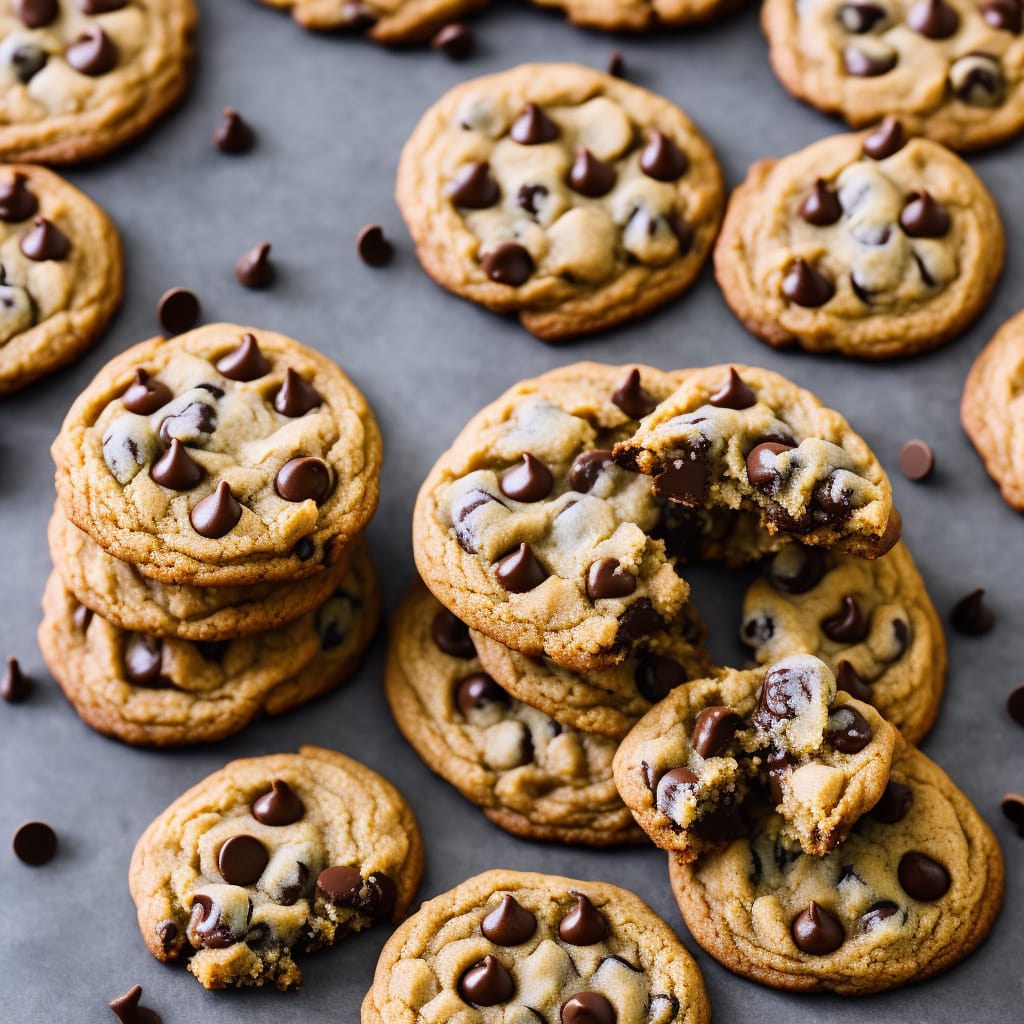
[224, 456]
[641, 15]
[79, 78]
[270, 856]
[61, 275]
[559, 193]
[519, 946]
[157, 692]
[530, 775]
[871, 251]
[871, 622]
[952, 70]
[992, 409]
[915, 888]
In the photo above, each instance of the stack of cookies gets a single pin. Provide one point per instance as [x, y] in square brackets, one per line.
[211, 492]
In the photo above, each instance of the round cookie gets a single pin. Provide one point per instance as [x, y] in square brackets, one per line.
[952, 70]
[992, 409]
[868, 251]
[530, 775]
[642, 15]
[742, 438]
[915, 888]
[519, 946]
[117, 592]
[79, 78]
[697, 766]
[527, 532]
[152, 692]
[268, 457]
[61, 275]
[271, 856]
[570, 197]
[871, 622]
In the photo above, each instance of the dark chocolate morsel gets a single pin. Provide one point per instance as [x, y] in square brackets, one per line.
[374, 249]
[279, 805]
[762, 469]
[923, 217]
[242, 859]
[486, 983]
[632, 398]
[187, 424]
[92, 53]
[669, 785]
[922, 877]
[35, 13]
[1012, 806]
[529, 480]
[533, 127]
[455, 40]
[783, 694]
[714, 730]
[143, 659]
[888, 138]
[245, 362]
[15, 686]
[167, 932]
[176, 469]
[858, 18]
[917, 460]
[451, 635]
[17, 203]
[45, 241]
[379, 895]
[340, 884]
[178, 310]
[848, 625]
[589, 176]
[527, 196]
[101, 6]
[849, 681]
[607, 578]
[584, 924]
[821, 207]
[296, 395]
[662, 159]
[587, 467]
[735, 393]
[1015, 705]
[657, 676]
[848, 730]
[934, 19]
[474, 187]
[205, 924]
[816, 931]
[34, 843]
[27, 60]
[682, 480]
[876, 914]
[1007, 15]
[234, 134]
[145, 394]
[508, 263]
[254, 269]
[217, 513]
[303, 479]
[806, 286]
[508, 924]
[477, 691]
[893, 804]
[587, 1008]
[640, 619]
[971, 616]
[520, 571]
[978, 79]
[866, 65]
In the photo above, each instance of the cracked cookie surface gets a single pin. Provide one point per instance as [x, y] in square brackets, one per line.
[520, 946]
[570, 197]
[878, 256]
[271, 856]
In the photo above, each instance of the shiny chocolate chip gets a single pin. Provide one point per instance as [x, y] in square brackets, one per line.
[806, 286]
[848, 625]
[15, 686]
[451, 635]
[848, 730]
[176, 469]
[762, 466]
[821, 207]
[606, 578]
[35, 13]
[530, 480]
[373, 247]
[455, 41]
[508, 924]
[244, 362]
[917, 460]
[533, 127]
[474, 187]
[632, 398]
[587, 467]
[783, 694]
[296, 395]
[590, 176]
[714, 731]
[45, 241]
[486, 983]
[863, 64]
[92, 53]
[303, 479]
[188, 424]
[657, 676]
[242, 860]
[662, 159]
[279, 805]
[1004, 14]
[923, 217]
[143, 659]
[508, 263]
[971, 615]
[17, 203]
[178, 310]
[858, 18]
[682, 480]
[34, 843]
[145, 394]
[849, 681]
[233, 135]
[816, 932]
[1012, 806]
[640, 619]
[167, 933]
[934, 19]
[888, 138]
[587, 1008]
[254, 268]
[584, 924]
[217, 513]
[520, 571]
[735, 393]
[340, 884]
[876, 914]
[477, 691]
[893, 804]
[922, 877]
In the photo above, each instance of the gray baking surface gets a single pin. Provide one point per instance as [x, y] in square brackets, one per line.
[332, 114]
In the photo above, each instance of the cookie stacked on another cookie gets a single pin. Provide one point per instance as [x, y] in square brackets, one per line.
[208, 566]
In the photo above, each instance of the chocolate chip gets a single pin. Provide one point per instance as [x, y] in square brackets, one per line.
[783, 695]
[888, 138]
[671, 783]
[893, 804]
[451, 635]
[923, 217]
[373, 248]
[143, 659]
[606, 578]
[978, 79]
[1015, 705]
[92, 53]
[922, 877]
[35, 843]
[971, 616]
[735, 393]
[289, 892]
[508, 924]
[304, 550]
[821, 207]
[917, 460]
[455, 41]
[520, 571]
[242, 860]
[533, 127]
[850, 682]
[145, 394]
[205, 925]
[810, 566]
[217, 513]
[859, 18]
[17, 203]
[1004, 14]
[762, 466]
[725, 822]
[254, 269]
[682, 480]
[45, 241]
[279, 805]
[632, 398]
[868, 65]
[527, 196]
[128, 1011]
[657, 676]
[848, 730]
[876, 914]
[587, 467]
[934, 19]
[27, 60]
[100, 6]
[486, 983]
[303, 479]
[244, 363]
[806, 286]
[474, 187]
[816, 932]
[477, 691]
[616, 65]
[296, 395]
[662, 159]
[901, 631]
[176, 469]
[508, 263]
[640, 619]
[714, 730]
[589, 176]
[81, 617]
[528, 481]
[178, 310]
[848, 625]
[340, 884]
[234, 134]
[167, 933]
[587, 1008]
[379, 895]
[35, 13]
[196, 419]
[1012, 806]
[15, 686]
[584, 924]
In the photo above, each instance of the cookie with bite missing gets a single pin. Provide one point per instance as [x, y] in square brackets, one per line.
[271, 857]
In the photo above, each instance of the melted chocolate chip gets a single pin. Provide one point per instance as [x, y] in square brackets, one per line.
[922, 877]
[589, 176]
[587, 467]
[640, 619]
[195, 419]
[714, 730]
[811, 565]
[584, 924]
[867, 65]
[167, 933]
[971, 616]
[821, 207]
[806, 286]
[587, 1008]
[303, 479]
[17, 203]
[477, 691]
[978, 79]
[657, 676]
[858, 18]
[254, 269]
[279, 805]
[508, 263]
[893, 804]
[606, 578]
[340, 884]
[528, 481]
[888, 138]
[527, 196]
[848, 625]
[533, 127]
[92, 53]
[296, 396]
[671, 783]
[848, 730]
[682, 480]
[934, 19]
[876, 914]
[233, 135]
[176, 469]
[474, 187]
[520, 571]
[735, 393]
[128, 1011]
[662, 159]
[451, 635]
[508, 924]
[178, 311]
[762, 466]
[15, 686]
[816, 932]
[632, 398]
[486, 983]
[917, 460]
[217, 513]
[1004, 14]
[34, 843]
[45, 241]
[35, 13]
[374, 249]
[850, 682]
[455, 41]
[143, 659]
[783, 694]
[923, 217]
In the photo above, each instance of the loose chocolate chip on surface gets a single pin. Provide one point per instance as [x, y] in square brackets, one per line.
[806, 286]
[520, 571]
[35, 843]
[893, 804]
[816, 932]
[923, 217]
[178, 310]
[616, 65]
[242, 859]
[529, 480]
[474, 187]
[303, 479]
[762, 466]
[876, 914]
[587, 467]
[234, 134]
[17, 203]
[340, 883]
[917, 460]
[850, 682]
[451, 635]
[848, 730]
[1012, 806]
[143, 659]
[657, 676]
[971, 616]
[176, 469]
[508, 924]
[217, 513]
[587, 1008]
[15, 686]
[589, 176]
[35, 13]
[486, 983]
[821, 207]
[735, 393]
[244, 363]
[848, 625]
[296, 395]
[662, 159]
[713, 731]
[477, 691]
[128, 1011]
[92, 53]
[1015, 705]
[632, 398]
[373, 248]
[145, 394]
[888, 138]
[508, 263]
[868, 65]
[584, 924]
[1004, 14]
[933, 18]
[455, 41]
[533, 127]
[922, 877]
[279, 805]
[45, 241]
[607, 578]
[859, 18]
[254, 269]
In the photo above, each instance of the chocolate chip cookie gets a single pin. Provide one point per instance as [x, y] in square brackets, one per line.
[528, 531]
[570, 197]
[152, 691]
[79, 78]
[271, 856]
[992, 409]
[695, 766]
[61, 276]
[518, 946]
[530, 775]
[871, 245]
[742, 438]
[914, 889]
[225, 456]
[871, 622]
[641, 15]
